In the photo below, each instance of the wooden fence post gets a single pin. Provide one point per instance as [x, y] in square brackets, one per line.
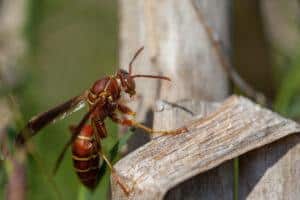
[178, 46]
[273, 172]
[166, 167]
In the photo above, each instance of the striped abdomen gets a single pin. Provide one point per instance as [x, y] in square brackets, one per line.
[85, 156]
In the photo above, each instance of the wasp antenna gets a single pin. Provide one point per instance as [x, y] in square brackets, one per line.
[134, 57]
[151, 76]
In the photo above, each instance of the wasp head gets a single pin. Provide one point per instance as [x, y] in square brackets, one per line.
[127, 79]
[127, 82]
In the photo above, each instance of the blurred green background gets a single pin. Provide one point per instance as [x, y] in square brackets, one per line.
[73, 43]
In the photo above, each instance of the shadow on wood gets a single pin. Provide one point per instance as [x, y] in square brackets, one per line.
[212, 186]
[271, 168]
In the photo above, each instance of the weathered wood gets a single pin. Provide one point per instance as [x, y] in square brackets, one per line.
[183, 51]
[271, 172]
[236, 127]
[213, 184]
[176, 45]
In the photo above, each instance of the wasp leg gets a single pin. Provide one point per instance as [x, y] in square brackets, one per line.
[125, 109]
[99, 126]
[136, 97]
[115, 175]
[129, 122]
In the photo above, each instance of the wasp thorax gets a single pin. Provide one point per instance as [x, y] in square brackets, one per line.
[99, 86]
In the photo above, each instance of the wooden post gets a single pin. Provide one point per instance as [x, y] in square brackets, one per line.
[217, 134]
[210, 185]
[177, 46]
[273, 172]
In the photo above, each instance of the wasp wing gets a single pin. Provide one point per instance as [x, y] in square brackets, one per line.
[59, 112]
[76, 131]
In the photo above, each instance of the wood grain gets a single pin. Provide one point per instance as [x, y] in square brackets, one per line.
[234, 128]
[273, 172]
[176, 45]
[213, 184]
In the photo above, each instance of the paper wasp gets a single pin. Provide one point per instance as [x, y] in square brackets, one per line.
[104, 100]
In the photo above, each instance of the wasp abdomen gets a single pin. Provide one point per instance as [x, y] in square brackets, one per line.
[86, 160]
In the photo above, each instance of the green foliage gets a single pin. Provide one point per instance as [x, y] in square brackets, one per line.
[84, 194]
[33, 21]
[288, 96]
[71, 44]
[3, 178]
[11, 135]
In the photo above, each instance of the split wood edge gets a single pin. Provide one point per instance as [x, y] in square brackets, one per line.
[234, 128]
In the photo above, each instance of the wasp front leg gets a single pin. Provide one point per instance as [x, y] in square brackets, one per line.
[125, 109]
[129, 122]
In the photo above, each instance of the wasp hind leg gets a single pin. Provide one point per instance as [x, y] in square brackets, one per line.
[100, 128]
[116, 177]
[129, 122]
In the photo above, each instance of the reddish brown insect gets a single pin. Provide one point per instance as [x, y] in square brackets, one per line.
[85, 156]
[103, 99]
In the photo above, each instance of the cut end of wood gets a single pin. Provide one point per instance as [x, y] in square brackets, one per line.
[217, 133]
